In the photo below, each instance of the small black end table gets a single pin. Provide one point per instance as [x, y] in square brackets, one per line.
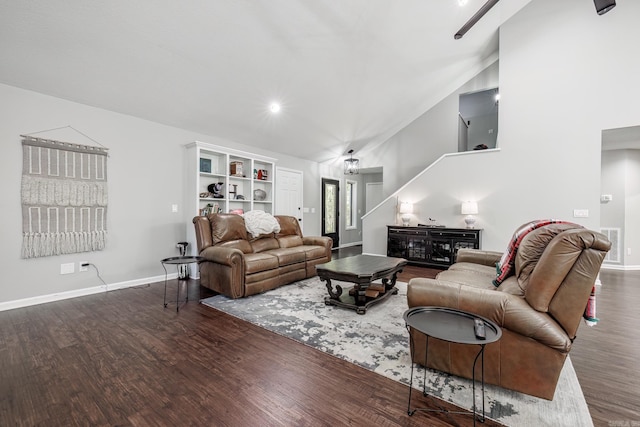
[177, 260]
[455, 326]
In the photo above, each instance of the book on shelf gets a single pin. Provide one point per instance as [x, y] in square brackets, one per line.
[210, 208]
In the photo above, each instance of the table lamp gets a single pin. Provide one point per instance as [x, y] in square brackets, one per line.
[406, 209]
[469, 209]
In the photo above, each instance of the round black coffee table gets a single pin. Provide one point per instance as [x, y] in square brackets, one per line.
[455, 326]
[177, 260]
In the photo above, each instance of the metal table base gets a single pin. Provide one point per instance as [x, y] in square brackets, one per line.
[178, 260]
[460, 333]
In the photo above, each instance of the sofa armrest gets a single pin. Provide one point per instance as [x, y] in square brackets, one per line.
[477, 256]
[327, 242]
[226, 256]
[508, 311]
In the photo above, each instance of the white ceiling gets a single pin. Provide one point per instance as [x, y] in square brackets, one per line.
[348, 73]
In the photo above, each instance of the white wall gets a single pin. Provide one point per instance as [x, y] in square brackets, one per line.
[145, 177]
[428, 137]
[632, 207]
[565, 74]
[613, 176]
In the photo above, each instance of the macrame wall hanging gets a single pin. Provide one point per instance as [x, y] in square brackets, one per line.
[64, 197]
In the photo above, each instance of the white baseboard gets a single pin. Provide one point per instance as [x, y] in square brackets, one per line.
[58, 296]
[621, 267]
[348, 245]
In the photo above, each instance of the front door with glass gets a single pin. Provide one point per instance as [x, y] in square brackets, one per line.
[330, 210]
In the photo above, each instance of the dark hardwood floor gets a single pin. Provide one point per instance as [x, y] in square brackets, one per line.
[119, 358]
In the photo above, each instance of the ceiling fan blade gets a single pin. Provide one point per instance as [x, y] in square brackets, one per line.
[475, 18]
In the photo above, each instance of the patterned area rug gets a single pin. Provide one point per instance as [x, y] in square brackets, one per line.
[379, 341]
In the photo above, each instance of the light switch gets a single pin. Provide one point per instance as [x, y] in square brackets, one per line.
[581, 213]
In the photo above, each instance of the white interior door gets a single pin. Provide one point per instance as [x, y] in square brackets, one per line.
[289, 199]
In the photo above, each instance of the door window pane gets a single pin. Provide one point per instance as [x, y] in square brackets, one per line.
[330, 208]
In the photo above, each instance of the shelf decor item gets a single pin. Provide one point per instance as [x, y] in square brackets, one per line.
[259, 194]
[236, 169]
[205, 165]
[262, 175]
[216, 190]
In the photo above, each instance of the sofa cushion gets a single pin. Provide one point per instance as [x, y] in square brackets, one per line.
[314, 252]
[257, 262]
[288, 226]
[506, 266]
[227, 227]
[264, 244]
[467, 278]
[288, 256]
[290, 241]
[532, 247]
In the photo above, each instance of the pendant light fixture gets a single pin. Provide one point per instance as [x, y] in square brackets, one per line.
[351, 165]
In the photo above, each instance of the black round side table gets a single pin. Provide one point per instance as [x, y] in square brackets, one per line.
[177, 260]
[457, 326]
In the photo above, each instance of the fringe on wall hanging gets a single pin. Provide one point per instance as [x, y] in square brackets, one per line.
[64, 197]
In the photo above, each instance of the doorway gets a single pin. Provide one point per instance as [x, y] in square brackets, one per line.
[289, 197]
[478, 120]
[331, 209]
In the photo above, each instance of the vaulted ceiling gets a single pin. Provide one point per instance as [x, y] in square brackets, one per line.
[348, 73]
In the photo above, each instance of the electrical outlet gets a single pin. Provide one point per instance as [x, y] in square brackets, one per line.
[628, 251]
[67, 268]
[174, 208]
[83, 266]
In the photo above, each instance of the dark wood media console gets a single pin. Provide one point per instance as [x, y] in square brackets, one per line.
[430, 246]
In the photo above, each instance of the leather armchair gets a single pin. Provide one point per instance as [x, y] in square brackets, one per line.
[539, 307]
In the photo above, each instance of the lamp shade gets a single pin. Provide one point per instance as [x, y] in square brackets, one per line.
[406, 208]
[469, 208]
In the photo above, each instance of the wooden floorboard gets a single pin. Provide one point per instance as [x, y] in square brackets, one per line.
[120, 358]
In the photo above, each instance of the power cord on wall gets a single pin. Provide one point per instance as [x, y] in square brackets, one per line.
[86, 264]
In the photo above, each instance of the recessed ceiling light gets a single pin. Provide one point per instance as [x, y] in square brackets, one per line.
[462, 2]
[274, 107]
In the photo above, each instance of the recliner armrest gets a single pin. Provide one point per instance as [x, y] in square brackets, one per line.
[478, 256]
[508, 311]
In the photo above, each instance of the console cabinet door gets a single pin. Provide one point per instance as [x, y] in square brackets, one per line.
[430, 247]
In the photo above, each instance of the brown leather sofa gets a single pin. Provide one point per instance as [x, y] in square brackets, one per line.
[238, 266]
[539, 308]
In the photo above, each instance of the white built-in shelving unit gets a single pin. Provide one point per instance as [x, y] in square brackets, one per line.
[234, 176]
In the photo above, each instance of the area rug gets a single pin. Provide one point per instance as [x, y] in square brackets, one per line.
[379, 341]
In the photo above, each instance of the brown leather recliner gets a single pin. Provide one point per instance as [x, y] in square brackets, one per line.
[237, 265]
[539, 307]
